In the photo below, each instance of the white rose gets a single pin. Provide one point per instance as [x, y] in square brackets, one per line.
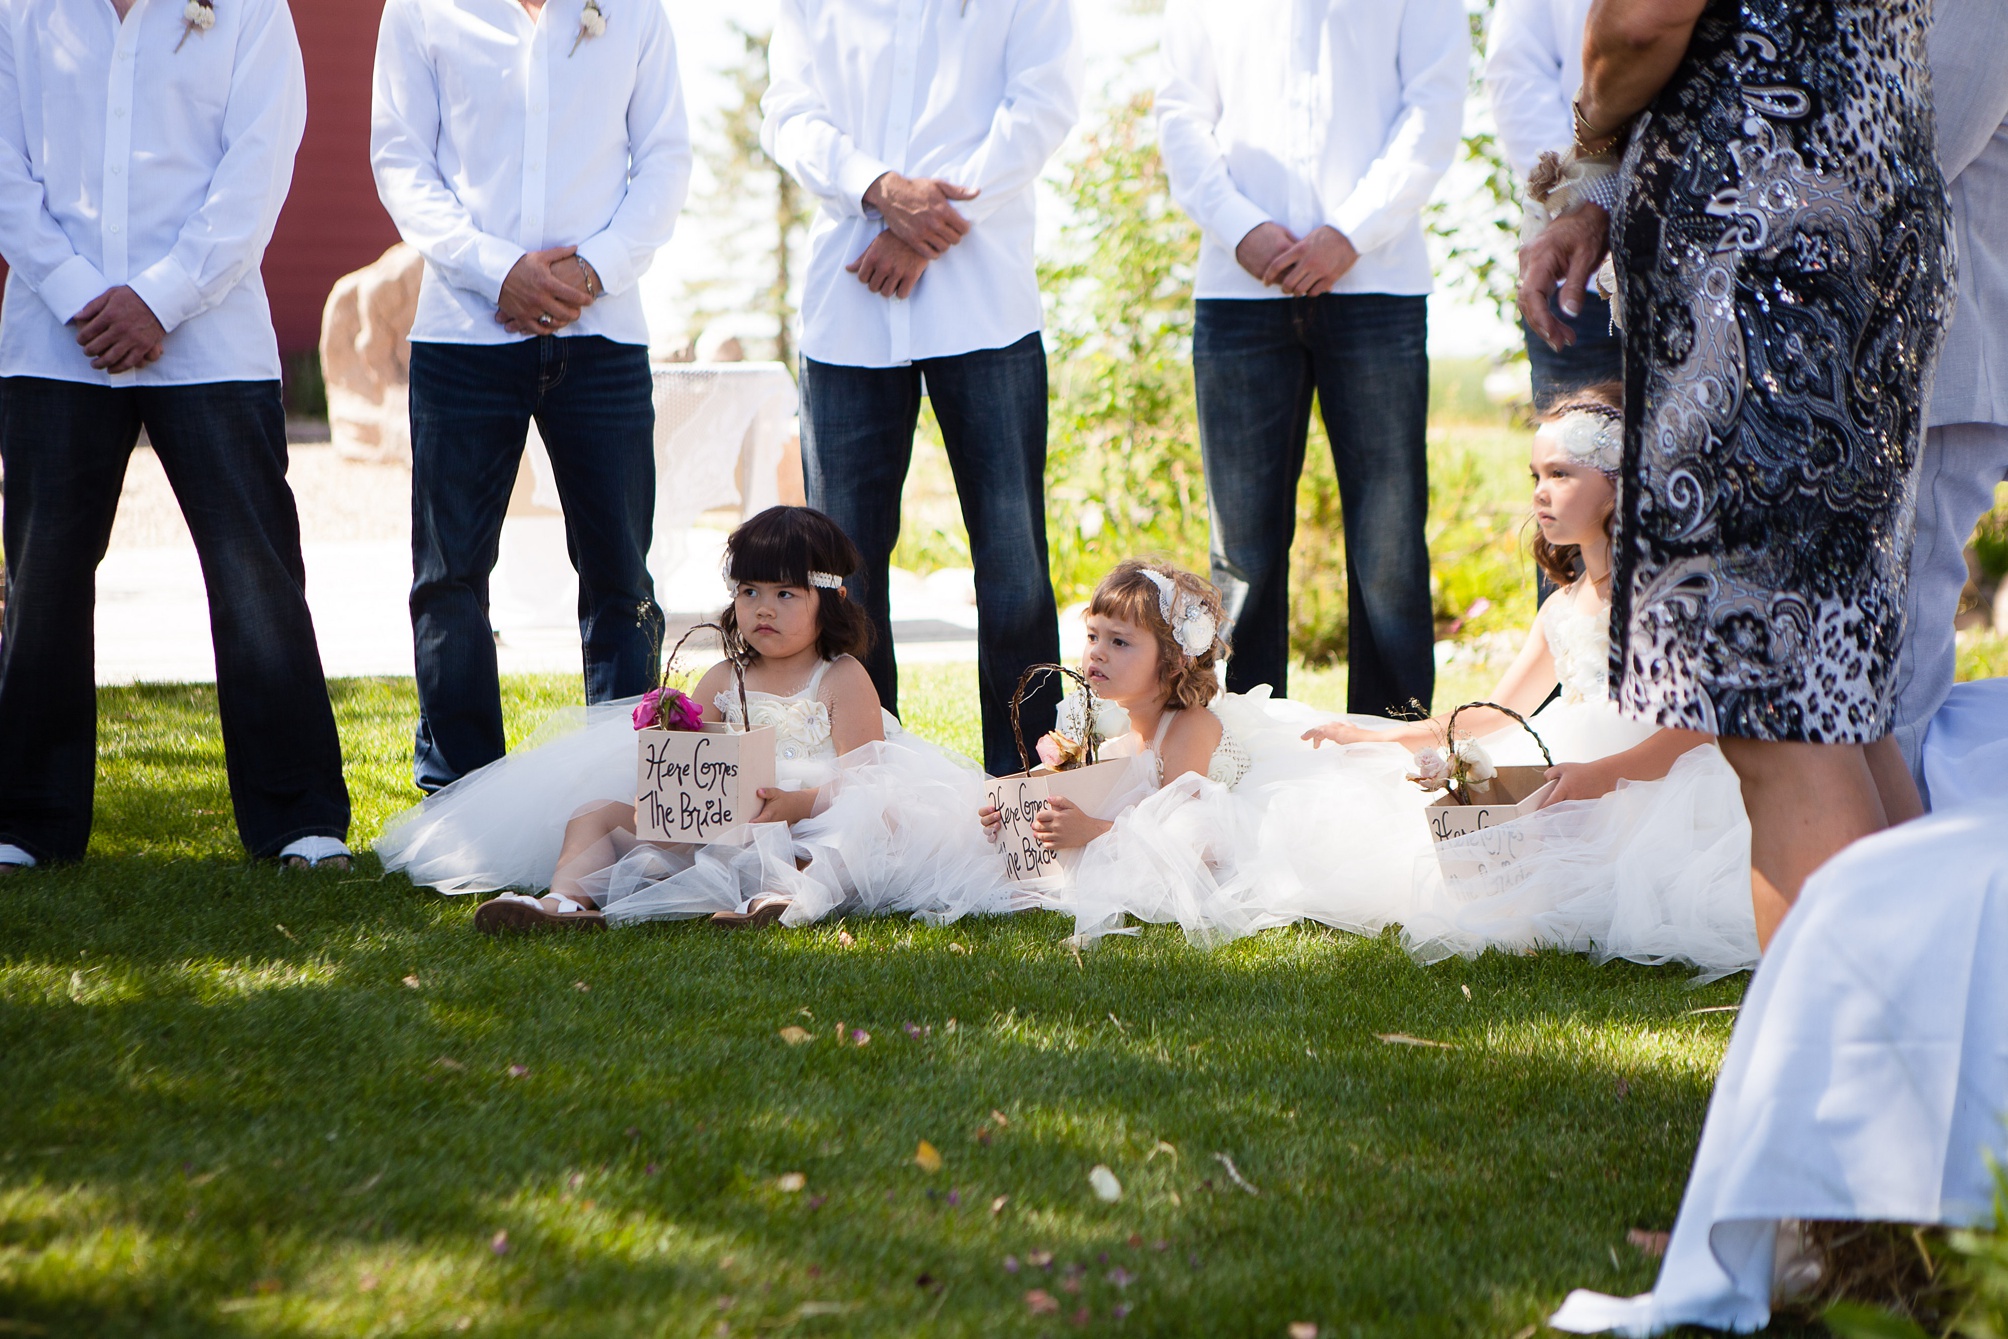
[592, 21]
[199, 14]
[1477, 762]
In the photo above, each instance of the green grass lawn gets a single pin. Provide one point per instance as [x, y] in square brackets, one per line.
[239, 1102]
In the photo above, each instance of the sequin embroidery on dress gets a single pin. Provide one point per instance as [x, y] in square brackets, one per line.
[1782, 247]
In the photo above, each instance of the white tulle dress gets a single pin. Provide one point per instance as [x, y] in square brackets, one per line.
[1656, 871]
[895, 827]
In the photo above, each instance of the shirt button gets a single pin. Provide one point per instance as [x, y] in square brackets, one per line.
[118, 111]
[117, 170]
[116, 230]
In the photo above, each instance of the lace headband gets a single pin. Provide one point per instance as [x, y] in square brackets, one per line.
[1593, 435]
[1195, 627]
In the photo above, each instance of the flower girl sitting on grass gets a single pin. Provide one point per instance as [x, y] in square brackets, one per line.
[1240, 821]
[862, 816]
[1641, 850]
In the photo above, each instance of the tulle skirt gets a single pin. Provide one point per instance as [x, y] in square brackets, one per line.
[895, 830]
[1657, 871]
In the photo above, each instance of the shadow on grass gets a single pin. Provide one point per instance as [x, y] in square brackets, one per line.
[249, 1102]
[279, 1107]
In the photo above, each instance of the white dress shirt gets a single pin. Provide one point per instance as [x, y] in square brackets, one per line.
[1311, 112]
[124, 161]
[493, 136]
[1969, 89]
[1533, 67]
[976, 92]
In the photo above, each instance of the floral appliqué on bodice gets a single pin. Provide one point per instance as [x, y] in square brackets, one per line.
[801, 720]
[1580, 641]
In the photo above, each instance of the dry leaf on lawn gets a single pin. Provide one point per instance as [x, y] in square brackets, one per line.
[1107, 1188]
[411, 981]
[844, 939]
[1042, 1303]
[790, 1182]
[997, 1205]
[1651, 1244]
[796, 1036]
[927, 1157]
[1403, 1039]
[1303, 1329]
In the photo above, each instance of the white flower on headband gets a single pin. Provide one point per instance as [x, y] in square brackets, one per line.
[1193, 627]
[1591, 438]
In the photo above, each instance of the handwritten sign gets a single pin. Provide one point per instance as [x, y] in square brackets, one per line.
[1486, 840]
[1020, 797]
[700, 785]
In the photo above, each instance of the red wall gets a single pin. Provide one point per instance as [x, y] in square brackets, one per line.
[332, 222]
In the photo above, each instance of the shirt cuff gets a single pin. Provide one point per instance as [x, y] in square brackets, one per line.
[71, 287]
[168, 292]
[609, 260]
[493, 259]
[855, 177]
[1237, 218]
[1367, 227]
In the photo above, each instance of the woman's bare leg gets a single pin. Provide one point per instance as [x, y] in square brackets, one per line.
[587, 847]
[1894, 783]
[1806, 803]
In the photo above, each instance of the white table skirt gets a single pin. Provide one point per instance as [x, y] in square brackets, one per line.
[1867, 1076]
[720, 433]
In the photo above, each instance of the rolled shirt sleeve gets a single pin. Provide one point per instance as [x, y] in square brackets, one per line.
[1433, 61]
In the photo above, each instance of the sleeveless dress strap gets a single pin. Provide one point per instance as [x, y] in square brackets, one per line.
[809, 689]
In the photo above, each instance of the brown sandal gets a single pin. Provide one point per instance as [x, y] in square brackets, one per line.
[761, 912]
[514, 913]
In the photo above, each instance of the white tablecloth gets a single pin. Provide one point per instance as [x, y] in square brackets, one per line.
[1867, 1076]
[720, 433]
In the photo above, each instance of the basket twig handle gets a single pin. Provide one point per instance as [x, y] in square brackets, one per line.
[1450, 728]
[738, 668]
[1025, 682]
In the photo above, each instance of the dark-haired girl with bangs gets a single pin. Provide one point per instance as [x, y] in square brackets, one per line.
[862, 816]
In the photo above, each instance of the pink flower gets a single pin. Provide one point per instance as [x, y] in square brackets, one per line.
[1049, 750]
[648, 710]
[667, 709]
[682, 713]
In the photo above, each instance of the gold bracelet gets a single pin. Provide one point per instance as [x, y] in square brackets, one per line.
[1590, 141]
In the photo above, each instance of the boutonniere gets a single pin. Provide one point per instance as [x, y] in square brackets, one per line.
[197, 16]
[591, 24]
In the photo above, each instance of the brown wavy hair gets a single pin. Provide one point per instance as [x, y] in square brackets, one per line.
[784, 545]
[1127, 594]
[1563, 563]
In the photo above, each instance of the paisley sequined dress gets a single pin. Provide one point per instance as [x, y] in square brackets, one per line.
[1783, 255]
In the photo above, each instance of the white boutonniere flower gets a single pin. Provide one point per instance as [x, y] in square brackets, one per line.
[592, 22]
[197, 16]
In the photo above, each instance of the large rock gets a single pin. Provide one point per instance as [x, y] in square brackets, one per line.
[366, 357]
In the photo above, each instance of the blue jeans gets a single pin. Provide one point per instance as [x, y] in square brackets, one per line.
[471, 406]
[1256, 363]
[857, 441]
[1597, 355]
[64, 445]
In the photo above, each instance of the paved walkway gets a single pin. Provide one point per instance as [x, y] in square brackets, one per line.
[355, 520]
